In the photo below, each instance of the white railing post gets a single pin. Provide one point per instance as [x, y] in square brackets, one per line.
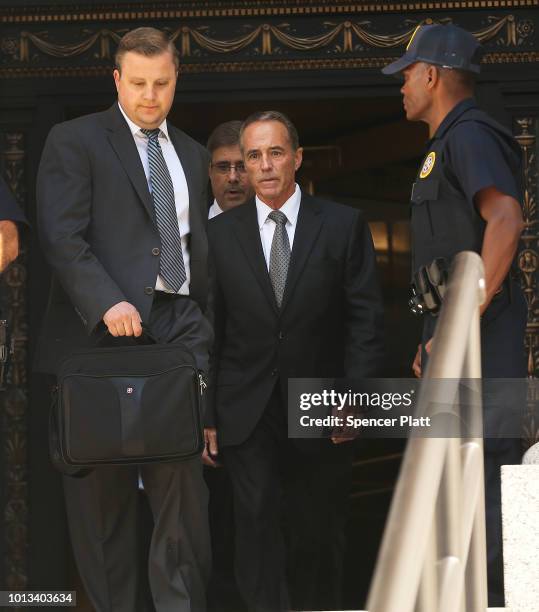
[476, 570]
[427, 595]
[437, 512]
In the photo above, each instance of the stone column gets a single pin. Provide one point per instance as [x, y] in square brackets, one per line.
[520, 506]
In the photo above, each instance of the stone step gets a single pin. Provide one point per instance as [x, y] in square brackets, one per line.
[520, 511]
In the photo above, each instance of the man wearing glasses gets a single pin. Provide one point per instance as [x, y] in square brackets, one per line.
[231, 188]
[229, 181]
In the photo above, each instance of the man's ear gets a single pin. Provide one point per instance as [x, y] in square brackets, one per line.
[116, 75]
[433, 75]
[299, 158]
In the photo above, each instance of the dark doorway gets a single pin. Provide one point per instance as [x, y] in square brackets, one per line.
[358, 151]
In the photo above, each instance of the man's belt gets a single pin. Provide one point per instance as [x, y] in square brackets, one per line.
[428, 287]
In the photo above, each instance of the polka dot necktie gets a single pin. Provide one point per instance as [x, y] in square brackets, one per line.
[171, 264]
[279, 255]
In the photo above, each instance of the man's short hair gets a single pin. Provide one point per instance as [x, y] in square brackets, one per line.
[461, 79]
[148, 42]
[224, 135]
[273, 116]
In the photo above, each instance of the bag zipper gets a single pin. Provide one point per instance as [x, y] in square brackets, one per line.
[202, 383]
[126, 375]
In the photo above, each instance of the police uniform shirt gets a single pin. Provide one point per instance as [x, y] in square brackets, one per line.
[478, 156]
[469, 152]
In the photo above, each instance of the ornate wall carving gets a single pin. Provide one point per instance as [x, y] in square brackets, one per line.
[265, 38]
[247, 40]
[528, 260]
[14, 399]
[182, 9]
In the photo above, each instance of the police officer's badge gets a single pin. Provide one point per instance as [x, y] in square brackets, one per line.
[428, 165]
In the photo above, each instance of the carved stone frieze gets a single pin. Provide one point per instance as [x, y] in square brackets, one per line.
[120, 10]
[528, 259]
[269, 39]
[239, 43]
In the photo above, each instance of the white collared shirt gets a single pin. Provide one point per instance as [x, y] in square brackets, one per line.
[179, 182]
[215, 210]
[267, 226]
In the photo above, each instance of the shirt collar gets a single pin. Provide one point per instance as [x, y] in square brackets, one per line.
[453, 115]
[290, 208]
[216, 206]
[136, 130]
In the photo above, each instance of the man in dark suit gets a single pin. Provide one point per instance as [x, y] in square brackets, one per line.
[122, 200]
[296, 295]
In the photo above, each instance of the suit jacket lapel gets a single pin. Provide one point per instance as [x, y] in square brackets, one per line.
[123, 143]
[248, 234]
[308, 227]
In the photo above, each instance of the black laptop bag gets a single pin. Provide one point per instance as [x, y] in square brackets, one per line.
[121, 405]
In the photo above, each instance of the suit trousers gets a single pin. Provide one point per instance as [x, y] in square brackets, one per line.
[223, 593]
[103, 507]
[290, 510]
[502, 356]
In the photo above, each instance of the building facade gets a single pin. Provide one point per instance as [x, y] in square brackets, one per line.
[317, 61]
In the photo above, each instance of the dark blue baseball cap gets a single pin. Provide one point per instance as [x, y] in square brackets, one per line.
[444, 45]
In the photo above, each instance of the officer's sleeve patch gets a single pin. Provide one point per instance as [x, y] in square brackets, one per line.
[428, 165]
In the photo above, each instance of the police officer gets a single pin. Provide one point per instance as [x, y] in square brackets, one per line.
[466, 197]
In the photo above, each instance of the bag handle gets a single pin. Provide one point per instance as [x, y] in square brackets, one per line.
[146, 333]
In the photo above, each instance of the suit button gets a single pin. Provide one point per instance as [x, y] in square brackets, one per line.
[274, 372]
[148, 290]
[155, 251]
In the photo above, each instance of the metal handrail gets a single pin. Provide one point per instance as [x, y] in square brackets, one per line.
[433, 553]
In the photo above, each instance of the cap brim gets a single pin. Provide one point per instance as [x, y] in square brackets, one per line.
[398, 65]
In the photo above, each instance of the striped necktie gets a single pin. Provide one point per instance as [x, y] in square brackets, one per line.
[171, 264]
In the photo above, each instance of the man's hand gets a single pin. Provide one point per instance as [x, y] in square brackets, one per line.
[9, 243]
[344, 433]
[210, 447]
[123, 319]
[416, 366]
